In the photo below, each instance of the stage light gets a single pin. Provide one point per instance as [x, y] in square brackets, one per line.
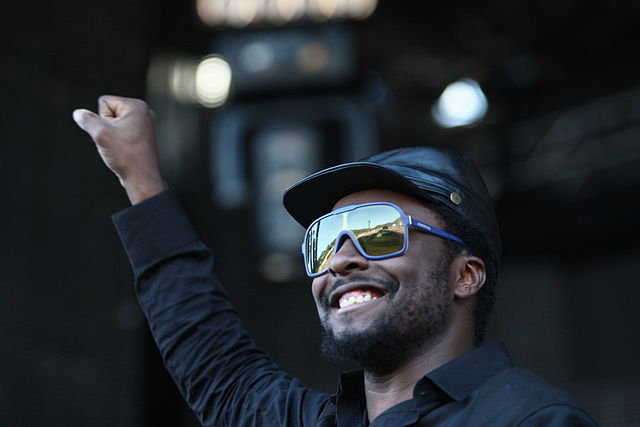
[211, 12]
[461, 104]
[241, 13]
[322, 10]
[205, 81]
[175, 76]
[212, 81]
[282, 11]
[361, 9]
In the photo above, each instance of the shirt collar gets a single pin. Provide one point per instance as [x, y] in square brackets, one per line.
[465, 374]
[457, 379]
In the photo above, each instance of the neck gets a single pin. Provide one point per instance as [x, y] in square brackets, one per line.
[382, 391]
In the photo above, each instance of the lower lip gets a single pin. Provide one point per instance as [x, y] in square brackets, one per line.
[356, 306]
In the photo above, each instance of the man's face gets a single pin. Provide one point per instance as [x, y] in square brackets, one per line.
[406, 300]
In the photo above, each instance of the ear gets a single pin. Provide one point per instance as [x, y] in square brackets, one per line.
[470, 275]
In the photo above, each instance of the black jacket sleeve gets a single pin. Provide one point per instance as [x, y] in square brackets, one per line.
[224, 377]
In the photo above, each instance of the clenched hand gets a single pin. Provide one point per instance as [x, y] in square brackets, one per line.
[124, 135]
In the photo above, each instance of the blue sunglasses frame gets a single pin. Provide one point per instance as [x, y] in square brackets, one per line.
[407, 220]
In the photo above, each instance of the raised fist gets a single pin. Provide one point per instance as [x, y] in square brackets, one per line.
[124, 135]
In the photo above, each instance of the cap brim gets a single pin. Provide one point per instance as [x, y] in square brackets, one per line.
[314, 196]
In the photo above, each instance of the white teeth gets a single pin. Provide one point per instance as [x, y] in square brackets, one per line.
[345, 302]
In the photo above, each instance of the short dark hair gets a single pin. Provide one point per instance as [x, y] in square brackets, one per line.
[481, 247]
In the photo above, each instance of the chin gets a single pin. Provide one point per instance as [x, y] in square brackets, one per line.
[388, 342]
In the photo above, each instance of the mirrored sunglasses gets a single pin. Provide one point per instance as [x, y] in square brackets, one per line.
[378, 230]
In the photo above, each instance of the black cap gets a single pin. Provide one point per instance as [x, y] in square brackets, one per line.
[438, 174]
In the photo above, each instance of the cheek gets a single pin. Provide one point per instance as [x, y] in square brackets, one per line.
[426, 251]
[408, 265]
[317, 287]
[419, 264]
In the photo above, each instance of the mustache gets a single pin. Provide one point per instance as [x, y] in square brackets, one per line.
[390, 283]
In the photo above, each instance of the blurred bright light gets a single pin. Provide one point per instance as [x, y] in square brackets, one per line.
[361, 9]
[212, 81]
[313, 57]
[211, 12]
[286, 10]
[181, 80]
[461, 104]
[323, 9]
[240, 13]
[257, 57]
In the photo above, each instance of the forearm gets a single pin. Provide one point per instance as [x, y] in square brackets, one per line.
[220, 371]
[188, 311]
[200, 337]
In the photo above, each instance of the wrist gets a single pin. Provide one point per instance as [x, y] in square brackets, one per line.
[139, 191]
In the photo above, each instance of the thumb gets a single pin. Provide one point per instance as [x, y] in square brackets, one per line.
[87, 120]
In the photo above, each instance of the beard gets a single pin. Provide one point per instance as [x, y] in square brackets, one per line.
[401, 333]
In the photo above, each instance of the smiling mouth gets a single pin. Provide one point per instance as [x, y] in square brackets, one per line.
[359, 296]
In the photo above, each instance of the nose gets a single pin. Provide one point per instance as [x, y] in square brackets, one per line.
[347, 259]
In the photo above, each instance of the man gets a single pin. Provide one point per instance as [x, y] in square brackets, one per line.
[403, 250]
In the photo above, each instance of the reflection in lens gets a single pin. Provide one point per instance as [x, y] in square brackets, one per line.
[311, 247]
[383, 233]
[379, 230]
[321, 241]
[328, 230]
[384, 242]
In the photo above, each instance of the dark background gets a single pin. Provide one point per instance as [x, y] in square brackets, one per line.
[560, 148]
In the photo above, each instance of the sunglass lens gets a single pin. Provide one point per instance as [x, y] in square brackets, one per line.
[320, 243]
[379, 230]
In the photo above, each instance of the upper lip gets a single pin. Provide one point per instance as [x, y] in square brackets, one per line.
[334, 296]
